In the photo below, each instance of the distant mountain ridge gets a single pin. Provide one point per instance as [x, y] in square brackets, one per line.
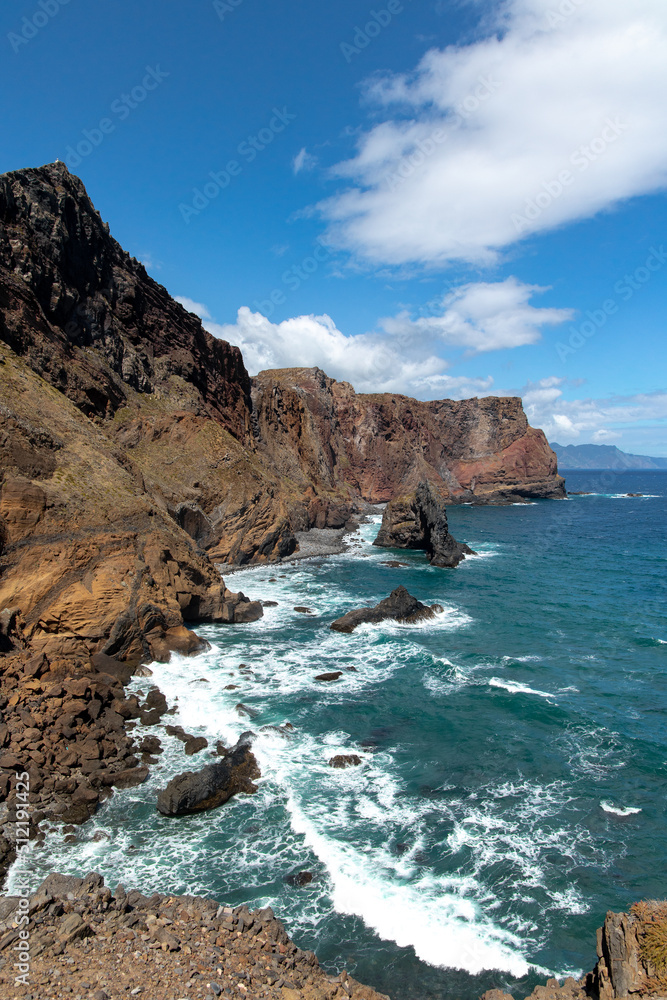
[602, 456]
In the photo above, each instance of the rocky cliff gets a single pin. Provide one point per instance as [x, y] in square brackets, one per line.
[377, 446]
[136, 453]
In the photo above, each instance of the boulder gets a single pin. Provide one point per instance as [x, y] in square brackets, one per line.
[213, 785]
[419, 521]
[400, 606]
[345, 760]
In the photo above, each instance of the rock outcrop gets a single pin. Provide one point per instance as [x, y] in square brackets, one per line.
[343, 445]
[65, 727]
[88, 941]
[419, 521]
[213, 785]
[632, 953]
[400, 606]
[632, 961]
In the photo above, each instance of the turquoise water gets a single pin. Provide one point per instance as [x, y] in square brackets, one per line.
[513, 785]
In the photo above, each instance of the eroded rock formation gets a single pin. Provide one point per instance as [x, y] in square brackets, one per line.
[632, 953]
[419, 521]
[213, 785]
[400, 606]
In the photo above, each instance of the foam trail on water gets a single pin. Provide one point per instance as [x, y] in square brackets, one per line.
[515, 687]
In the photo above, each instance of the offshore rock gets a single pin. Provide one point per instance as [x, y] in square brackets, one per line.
[419, 521]
[215, 784]
[400, 606]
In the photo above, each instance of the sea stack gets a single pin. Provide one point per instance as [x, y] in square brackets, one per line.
[418, 520]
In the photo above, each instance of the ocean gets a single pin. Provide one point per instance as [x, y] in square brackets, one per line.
[513, 784]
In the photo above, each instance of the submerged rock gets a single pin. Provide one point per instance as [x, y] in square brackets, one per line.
[419, 521]
[215, 784]
[400, 606]
[327, 678]
[299, 879]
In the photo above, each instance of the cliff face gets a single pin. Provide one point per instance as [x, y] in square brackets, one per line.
[135, 451]
[375, 446]
[88, 318]
[116, 409]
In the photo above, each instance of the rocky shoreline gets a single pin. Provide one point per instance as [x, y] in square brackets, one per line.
[75, 938]
[89, 942]
[137, 456]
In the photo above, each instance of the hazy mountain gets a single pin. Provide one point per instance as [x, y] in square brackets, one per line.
[602, 456]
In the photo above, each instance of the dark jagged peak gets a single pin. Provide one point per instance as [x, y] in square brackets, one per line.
[67, 286]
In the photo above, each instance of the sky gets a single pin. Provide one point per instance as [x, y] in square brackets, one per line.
[444, 198]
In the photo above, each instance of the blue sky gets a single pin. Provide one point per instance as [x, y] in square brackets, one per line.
[449, 198]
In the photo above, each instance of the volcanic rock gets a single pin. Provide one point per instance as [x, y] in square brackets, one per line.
[299, 879]
[332, 676]
[345, 760]
[400, 606]
[419, 521]
[84, 937]
[341, 445]
[197, 791]
[632, 953]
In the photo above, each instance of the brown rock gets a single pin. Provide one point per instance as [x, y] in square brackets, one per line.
[419, 521]
[345, 760]
[400, 606]
[214, 785]
[127, 778]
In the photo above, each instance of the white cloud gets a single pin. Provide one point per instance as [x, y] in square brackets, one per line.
[194, 307]
[303, 161]
[580, 421]
[484, 316]
[370, 362]
[477, 132]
